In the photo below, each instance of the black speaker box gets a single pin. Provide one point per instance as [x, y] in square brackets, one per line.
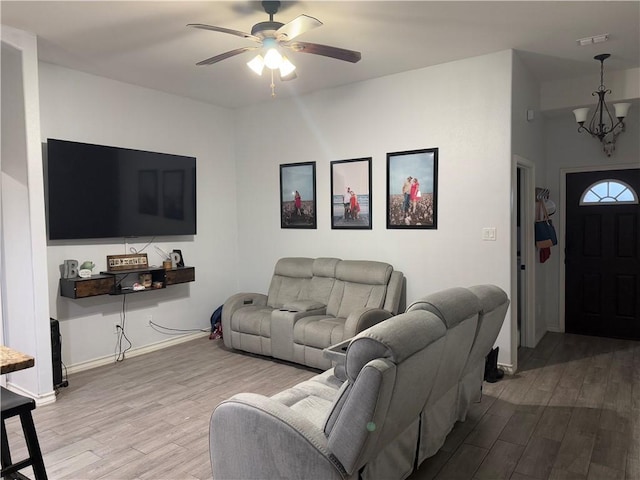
[56, 355]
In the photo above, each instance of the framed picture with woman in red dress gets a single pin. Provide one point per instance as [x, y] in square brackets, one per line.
[298, 195]
[412, 189]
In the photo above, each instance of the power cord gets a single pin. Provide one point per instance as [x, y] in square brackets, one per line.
[160, 329]
[119, 352]
[133, 250]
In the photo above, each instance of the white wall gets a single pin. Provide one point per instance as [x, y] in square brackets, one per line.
[463, 108]
[24, 285]
[568, 149]
[80, 107]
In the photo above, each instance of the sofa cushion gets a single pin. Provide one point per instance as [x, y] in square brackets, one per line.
[255, 320]
[303, 305]
[289, 278]
[318, 331]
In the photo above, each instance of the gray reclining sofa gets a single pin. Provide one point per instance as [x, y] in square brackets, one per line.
[312, 304]
[403, 384]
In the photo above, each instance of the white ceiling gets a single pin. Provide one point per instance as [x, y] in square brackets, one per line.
[147, 43]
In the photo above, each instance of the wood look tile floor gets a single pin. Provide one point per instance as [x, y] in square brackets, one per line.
[571, 412]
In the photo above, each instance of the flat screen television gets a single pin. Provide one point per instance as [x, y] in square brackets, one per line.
[97, 191]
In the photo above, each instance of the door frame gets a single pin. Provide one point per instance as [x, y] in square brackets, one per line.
[527, 253]
[563, 227]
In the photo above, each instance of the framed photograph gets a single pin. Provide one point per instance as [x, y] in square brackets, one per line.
[351, 194]
[298, 195]
[412, 189]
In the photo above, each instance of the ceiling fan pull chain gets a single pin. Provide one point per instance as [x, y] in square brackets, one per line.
[273, 86]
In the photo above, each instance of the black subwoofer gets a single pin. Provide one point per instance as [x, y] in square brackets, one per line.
[56, 355]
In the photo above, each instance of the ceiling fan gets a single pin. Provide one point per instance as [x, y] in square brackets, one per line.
[270, 35]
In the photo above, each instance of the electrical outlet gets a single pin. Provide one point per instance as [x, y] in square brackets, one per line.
[116, 327]
[149, 320]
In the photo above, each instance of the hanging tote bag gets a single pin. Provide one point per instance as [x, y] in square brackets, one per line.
[545, 233]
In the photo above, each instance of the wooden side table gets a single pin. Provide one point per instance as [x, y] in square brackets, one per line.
[13, 404]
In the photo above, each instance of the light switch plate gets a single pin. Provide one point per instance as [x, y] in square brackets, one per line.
[489, 234]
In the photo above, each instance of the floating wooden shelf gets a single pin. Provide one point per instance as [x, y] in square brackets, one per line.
[116, 283]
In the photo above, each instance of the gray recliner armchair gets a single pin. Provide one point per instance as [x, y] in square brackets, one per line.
[325, 429]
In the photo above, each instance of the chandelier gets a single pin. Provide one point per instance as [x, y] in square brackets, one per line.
[602, 124]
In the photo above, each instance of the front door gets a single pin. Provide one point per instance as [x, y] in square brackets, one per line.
[603, 254]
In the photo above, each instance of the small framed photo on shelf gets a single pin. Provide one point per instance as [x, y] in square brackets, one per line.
[412, 189]
[298, 195]
[351, 194]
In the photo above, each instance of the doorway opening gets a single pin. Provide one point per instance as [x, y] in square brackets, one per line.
[523, 256]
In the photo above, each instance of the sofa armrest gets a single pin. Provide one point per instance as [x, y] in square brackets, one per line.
[363, 318]
[235, 302]
[253, 436]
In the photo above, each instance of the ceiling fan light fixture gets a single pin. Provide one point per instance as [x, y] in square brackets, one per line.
[257, 64]
[287, 68]
[273, 59]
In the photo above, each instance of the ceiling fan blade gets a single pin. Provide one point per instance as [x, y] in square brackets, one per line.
[325, 50]
[297, 26]
[224, 30]
[291, 76]
[226, 55]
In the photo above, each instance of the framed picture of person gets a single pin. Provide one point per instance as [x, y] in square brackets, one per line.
[298, 195]
[412, 189]
[351, 194]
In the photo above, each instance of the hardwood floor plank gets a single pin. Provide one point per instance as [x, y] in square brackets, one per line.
[610, 449]
[463, 464]
[487, 431]
[538, 457]
[500, 462]
[602, 472]
[553, 423]
[519, 428]
[575, 451]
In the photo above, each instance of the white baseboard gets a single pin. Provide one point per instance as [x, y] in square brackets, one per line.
[134, 352]
[508, 369]
[43, 399]
[554, 329]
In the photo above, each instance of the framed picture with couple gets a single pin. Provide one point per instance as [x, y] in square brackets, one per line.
[412, 189]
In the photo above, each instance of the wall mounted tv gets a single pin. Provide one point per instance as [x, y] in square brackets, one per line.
[96, 191]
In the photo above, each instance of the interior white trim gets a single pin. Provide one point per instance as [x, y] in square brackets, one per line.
[563, 226]
[44, 399]
[527, 185]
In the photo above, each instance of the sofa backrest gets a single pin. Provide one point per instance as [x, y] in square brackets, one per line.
[290, 275]
[458, 309]
[358, 284]
[493, 308]
[322, 282]
[390, 369]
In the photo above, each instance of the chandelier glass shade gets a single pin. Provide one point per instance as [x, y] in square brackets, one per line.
[603, 125]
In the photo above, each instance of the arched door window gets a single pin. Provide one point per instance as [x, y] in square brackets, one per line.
[609, 192]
